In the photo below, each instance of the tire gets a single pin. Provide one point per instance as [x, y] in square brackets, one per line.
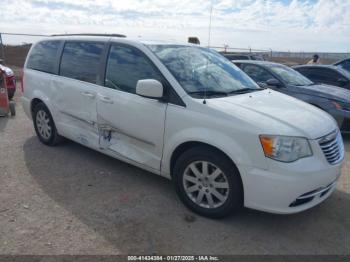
[191, 185]
[44, 125]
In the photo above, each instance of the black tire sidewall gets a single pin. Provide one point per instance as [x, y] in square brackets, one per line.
[235, 199]
[52, 139]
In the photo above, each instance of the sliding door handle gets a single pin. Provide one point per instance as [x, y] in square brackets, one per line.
[106, 100]
[88, 94]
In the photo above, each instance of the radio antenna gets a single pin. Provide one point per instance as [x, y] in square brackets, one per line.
[211, 14]
[209, 34]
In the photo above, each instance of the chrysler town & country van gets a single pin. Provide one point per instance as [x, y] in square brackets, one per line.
[186, 113]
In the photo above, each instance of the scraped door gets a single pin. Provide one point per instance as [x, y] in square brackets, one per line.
[76, 90]
[130, 126]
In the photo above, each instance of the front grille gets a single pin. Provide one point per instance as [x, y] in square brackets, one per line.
[332, 147]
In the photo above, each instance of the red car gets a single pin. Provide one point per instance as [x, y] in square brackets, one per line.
[10, 80]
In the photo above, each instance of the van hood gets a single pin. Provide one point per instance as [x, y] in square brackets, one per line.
[273, 113]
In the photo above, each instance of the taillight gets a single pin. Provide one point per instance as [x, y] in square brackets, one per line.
[10, 82]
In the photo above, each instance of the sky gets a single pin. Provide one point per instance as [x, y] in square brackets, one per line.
[284, 25]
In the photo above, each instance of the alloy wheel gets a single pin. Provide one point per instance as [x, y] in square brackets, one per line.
[43, 124]
[206, 184]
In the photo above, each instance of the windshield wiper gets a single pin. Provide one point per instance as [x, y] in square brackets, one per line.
[208, 93]
[245, 90]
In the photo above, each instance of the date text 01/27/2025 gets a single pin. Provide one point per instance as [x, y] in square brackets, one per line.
[173, 258]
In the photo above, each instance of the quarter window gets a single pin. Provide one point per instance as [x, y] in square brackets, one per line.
[81, 61]
[127, 65]
[43, 57]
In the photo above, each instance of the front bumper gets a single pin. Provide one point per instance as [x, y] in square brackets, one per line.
[287, 188]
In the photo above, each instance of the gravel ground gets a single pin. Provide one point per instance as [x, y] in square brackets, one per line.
[72, 200]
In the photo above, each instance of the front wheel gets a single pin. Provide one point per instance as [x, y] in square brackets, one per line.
[208, 183]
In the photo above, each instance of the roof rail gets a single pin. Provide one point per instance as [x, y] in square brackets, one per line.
[88, 34]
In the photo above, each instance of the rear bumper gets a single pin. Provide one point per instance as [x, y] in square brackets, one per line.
[26, 106]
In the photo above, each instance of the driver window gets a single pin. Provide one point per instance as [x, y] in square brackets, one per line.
[127, 65]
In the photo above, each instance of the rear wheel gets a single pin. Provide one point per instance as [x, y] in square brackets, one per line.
[208, 183]
[44, 125]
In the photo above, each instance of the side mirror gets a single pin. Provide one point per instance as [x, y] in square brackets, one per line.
[273, 82]
[150, 88]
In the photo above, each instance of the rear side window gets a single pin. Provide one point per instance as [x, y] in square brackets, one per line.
[81, 61]
[309, 73]
[43, 57]
[126, 66]
[323, 75]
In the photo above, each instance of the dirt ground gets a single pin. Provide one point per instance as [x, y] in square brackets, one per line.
[72, 200]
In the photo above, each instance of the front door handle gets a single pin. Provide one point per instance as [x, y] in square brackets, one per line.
[88, 94]
[106, 100]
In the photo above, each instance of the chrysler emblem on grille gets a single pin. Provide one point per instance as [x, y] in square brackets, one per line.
[328, 137]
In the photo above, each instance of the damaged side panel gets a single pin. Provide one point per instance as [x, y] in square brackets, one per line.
[131, 126]
[118, 142]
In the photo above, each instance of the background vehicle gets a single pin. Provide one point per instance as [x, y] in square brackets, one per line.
[332, 99]
[10, 80]
[188, 114]
[326, 74]
[243, 56]
[345, 64]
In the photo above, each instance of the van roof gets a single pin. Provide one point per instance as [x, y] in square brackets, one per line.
[116, 38]
[92, 34]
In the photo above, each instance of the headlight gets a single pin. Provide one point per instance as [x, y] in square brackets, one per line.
[285, 148]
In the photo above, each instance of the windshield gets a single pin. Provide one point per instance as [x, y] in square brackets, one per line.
[201, 71]
[290, 76]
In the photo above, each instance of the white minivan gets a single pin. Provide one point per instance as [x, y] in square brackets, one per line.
[186, 113]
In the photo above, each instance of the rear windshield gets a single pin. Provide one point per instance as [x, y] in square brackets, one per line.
[43, 57]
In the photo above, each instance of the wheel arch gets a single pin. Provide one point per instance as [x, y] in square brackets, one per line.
[34, 103]
[180, 149]
[39, 97]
